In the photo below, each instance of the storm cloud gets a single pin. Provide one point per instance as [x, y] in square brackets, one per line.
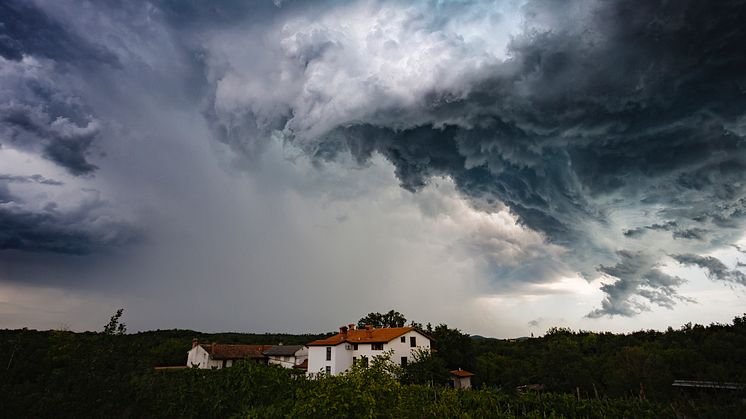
[593, 122]
[609, 133]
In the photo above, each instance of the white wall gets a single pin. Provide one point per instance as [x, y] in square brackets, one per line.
[301, 355]
[461, 382]
[198, 356]
[398, 347]
[317, 360]
[283, 361]
[290, 361]
[317, 363]
[342, 357]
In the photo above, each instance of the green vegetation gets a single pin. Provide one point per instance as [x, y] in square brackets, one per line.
[390, 319]
[584, 374]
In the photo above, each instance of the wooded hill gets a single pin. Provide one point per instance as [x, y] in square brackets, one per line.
[583, 374]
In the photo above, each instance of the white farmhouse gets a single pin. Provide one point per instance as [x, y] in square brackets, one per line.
[337, 353]
[217, 355]
[288, 356]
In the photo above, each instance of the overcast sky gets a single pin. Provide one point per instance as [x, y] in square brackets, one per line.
[499, 166]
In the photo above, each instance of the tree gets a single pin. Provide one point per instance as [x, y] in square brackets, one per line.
[424, 368]
[390, 319]
[115, 327]
[454, 347]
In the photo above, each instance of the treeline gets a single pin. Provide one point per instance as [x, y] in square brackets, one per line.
[251, 390]
[643, 363]
[582, 374]
[640, 364]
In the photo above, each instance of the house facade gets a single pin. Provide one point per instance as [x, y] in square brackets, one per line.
[336, 354]
[217, 355]
[288, 356]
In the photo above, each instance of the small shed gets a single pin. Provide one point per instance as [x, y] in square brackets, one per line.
[460, 378]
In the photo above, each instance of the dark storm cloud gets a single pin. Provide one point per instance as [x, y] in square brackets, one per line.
[82, 230]
[39, 110]
[30, 179]
[598, 107]
[637, 274]
[27, 30]
[42, 111]
[41, 122]
[49, 231]
[714, 268]
[614, 129]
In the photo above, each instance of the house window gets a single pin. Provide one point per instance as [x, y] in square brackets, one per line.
[328, 353]
[328, 370]
[412, 341]
[354, 359]
[403, 339]
[354, 346]
[404, 361]
[376, 346]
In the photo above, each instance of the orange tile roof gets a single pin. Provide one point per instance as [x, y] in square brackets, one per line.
[222, 351]
[303, 365]
[382, 335]
[461, 373]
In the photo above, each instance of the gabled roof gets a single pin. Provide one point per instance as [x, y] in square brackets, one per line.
[222, 351]
[283, 350]
[461, 373]
[382, 335]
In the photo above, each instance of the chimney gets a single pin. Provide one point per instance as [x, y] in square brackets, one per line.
[351, 326]
[195, 342]
[343, 331]
[369, 330]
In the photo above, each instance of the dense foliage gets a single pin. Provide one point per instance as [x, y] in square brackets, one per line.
[391, 319]
[617, 365]
[584, 374]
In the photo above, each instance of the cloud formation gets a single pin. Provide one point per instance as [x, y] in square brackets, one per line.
[595, 123]
[602, 139]
[47, 227]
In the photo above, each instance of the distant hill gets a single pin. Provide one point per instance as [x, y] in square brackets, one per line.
[480, 337]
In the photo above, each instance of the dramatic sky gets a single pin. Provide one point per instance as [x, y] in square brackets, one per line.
[500, 166]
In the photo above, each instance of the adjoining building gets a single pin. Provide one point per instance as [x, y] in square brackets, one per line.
[288, 356]
[336, 354]
[218, 355]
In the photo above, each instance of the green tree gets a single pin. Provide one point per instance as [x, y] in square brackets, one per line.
[114, 327]
[424, 368]
[390, 319]
[454, 347]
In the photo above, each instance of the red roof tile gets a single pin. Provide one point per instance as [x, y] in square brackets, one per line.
[382, 335]
[222, 351]
[461, 373]
[303, 365]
